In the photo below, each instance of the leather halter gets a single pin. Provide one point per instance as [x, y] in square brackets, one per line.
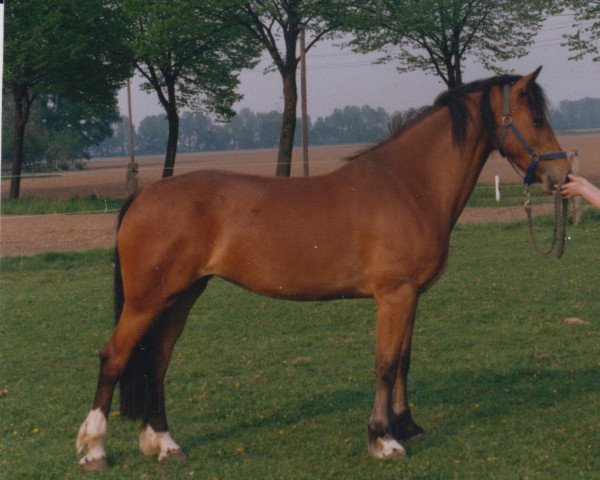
[507, 124]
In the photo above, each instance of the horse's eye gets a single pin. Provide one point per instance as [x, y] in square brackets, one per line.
[538, 122]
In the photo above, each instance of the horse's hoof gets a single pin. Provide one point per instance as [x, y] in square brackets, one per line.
[172, 455]
[95, 465]
[417, 438]
[404, 428]
[387, 449]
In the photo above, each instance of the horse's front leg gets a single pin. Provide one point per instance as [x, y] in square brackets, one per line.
[395, 316]
[403, 425]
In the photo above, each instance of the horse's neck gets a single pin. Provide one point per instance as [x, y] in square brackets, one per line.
[439, 170]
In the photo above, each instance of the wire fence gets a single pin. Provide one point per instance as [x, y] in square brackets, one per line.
[103, 181]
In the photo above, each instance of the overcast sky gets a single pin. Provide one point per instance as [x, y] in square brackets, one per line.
[337, 77]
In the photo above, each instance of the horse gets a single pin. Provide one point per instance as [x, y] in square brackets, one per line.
[377, 227]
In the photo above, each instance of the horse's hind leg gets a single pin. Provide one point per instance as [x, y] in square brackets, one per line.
[154, 435]
[132, 325]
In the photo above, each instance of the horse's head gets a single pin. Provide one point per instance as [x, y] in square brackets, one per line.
[524, 133]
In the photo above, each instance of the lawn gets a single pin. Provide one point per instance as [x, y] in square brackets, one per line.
[280, 390]
[483, 196]
[43, 206]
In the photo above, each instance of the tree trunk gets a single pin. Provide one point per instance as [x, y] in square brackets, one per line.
[453, 68]
[173, 119]
[169, 167]
[22, 106]
[288, 125]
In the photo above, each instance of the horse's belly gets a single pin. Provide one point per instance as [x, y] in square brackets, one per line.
[288, 289]
[293, 276]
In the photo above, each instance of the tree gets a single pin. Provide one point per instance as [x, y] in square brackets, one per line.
[576, 114]
[75, 126]
[152, 134]
[243, 129]
[58, 131]
[586, 39]
[71, 48]
[189, 56]
[34, 135]
[436, 36]
[350, 125]
[117, 144]
[275, 25]
[195, 131]
[268, 128]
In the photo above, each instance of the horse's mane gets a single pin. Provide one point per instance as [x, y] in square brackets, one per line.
[455, 101]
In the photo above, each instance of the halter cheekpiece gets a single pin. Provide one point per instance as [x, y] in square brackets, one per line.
[507, 124]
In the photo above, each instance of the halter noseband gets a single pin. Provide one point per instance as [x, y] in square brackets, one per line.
[507, 124]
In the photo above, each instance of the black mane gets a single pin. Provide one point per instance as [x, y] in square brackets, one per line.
[455, 101]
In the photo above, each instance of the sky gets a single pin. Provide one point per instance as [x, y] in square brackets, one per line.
[337, 77]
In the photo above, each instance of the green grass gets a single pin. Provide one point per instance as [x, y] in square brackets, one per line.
[279, 390]
[483, 196]
[43, 206]
[511, 195]
[32, 175]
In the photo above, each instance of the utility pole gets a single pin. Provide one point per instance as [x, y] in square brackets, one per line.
[131, 182]
[301, 27]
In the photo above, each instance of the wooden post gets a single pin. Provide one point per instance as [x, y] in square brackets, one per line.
[301, 27]
[131, 182]
[497, 187]
[574, 159]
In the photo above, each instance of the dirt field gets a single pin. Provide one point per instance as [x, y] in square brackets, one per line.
[105, 178]
[24, 235]
[29, 235]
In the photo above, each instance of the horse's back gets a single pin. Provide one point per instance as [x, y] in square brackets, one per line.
[317, 237]
[291, 238]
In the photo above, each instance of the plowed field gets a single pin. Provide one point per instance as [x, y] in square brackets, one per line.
[105, 178]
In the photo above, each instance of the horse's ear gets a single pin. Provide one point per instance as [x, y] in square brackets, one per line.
[535, 73]
[525, 84]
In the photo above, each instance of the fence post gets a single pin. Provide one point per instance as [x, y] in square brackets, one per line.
[302, 28]
[574, 159]
[131, 182]
[497, 185]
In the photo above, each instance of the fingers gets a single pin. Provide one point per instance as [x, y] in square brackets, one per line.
[573, 186]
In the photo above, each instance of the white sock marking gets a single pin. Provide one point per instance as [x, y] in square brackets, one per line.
[91, 435]
[388, 448]
[152, 442]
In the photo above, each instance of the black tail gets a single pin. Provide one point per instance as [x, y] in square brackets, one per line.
[137, 377]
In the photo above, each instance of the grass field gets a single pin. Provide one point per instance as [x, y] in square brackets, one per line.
[277, 390]
[483, 196]
[44, 206]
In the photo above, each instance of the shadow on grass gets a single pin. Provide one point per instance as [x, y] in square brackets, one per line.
[517, 393]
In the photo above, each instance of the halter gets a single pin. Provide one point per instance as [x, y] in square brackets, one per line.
[507, 124]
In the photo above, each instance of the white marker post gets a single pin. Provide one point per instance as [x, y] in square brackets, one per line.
[497, 184]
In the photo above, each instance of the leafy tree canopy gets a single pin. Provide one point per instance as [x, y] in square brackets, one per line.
[276, 27]
[72, 49]
[585, 41]
[182, 45]
[436, 36]
[190, 56]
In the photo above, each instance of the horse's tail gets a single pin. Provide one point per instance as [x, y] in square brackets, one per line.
[137, 376]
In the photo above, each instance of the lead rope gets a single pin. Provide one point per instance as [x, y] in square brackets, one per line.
[560, 223]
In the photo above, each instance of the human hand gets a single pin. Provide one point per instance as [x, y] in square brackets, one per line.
[575, 186]
[581, 186]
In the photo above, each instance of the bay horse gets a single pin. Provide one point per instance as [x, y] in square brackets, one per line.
[378, 227]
